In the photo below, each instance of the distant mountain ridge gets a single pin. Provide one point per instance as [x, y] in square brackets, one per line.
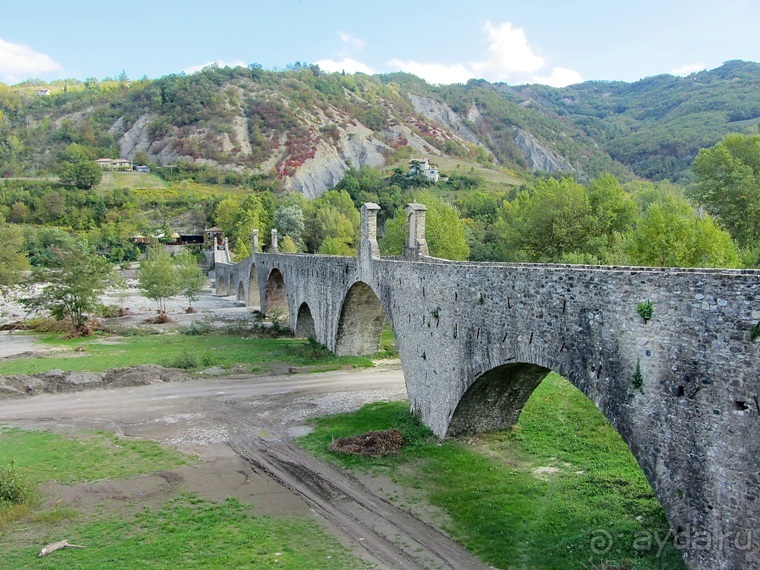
[307, 128]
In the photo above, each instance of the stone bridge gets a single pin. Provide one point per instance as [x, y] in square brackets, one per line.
[475, 340]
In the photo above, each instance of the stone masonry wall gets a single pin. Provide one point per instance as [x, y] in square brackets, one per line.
[693, 426]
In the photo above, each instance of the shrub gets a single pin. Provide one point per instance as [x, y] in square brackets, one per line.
[187, 361]
[14, 488]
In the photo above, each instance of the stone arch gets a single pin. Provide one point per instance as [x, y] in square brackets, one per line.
[305, 322]
[240, 292]
[361, 322]
[495, 400]
[221, 285]
[254, 296]
[276, 294]
[230, 285]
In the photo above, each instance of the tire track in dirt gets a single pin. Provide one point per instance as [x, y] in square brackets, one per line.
[390, 535]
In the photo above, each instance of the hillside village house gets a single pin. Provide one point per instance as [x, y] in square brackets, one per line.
[114, 163]
[429, 170]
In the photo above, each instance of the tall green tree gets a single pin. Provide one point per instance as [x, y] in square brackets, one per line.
[444, 229]
[544, 224]
[289, 221]
[72, 284]
[84, 174]
[190, 276]
[728, 186]
[158, 279]
[671, 235]
[332, 215]
[13, 262]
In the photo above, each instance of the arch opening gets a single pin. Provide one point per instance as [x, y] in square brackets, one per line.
[222, 285]
[240, 292]
[496, 399]
[582, 462]
[276, 295]
[254, 296]
[305, 323]
[361, 322]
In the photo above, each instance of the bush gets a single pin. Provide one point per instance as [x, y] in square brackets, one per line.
[187, 361]
[200, 327]
[14, 488]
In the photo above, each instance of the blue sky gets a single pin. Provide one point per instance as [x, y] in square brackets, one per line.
[555, 42]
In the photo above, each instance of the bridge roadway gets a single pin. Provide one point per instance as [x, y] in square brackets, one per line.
[475, 339]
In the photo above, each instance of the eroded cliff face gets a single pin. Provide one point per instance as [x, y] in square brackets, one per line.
[540, 157]
[443, 115]
[357, 146]
[310, 146]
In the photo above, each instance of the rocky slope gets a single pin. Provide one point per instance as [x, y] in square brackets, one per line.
[307, 128]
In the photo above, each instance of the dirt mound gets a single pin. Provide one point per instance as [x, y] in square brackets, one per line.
[55, 381]
[370, 444]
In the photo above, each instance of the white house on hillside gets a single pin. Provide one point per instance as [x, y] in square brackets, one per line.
[429, 170]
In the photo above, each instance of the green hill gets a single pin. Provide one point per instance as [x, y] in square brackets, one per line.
[305, 128]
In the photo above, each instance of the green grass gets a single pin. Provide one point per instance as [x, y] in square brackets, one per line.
[131, 180]
[189, 533]
[501, 507]
[45, 456]
[175, 350]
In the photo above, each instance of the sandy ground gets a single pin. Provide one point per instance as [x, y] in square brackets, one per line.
[242, 429]
[218, 311]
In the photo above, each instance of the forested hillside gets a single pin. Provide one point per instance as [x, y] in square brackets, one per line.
[529, 173]
[306, 128]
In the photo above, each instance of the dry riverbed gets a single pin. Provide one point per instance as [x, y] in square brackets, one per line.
[241, 429]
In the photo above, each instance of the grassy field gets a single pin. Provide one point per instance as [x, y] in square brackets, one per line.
[191, 533]
[130, 180]
[99, 353]
[45, 456]
[185, 532]
[531, 498]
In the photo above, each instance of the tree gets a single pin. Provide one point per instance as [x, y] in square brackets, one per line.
[287, 245]
[72, 284]
[289, 221]
[728, 186]
[83, 174]
[190, 276]
[332, 215]
[141, 158]
[544, 225]
[444, 229]
[671, 235]
[12, 259]
[158, 279]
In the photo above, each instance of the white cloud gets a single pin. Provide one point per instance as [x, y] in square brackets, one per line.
[510, 58]
[509, 53]
[346, 64]
[688, 69]
[434, 72]
[221, 63]
[19, 62]
[351, 42]
[559, 77]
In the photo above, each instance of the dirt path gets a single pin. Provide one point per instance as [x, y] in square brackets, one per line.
[242, 428]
